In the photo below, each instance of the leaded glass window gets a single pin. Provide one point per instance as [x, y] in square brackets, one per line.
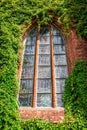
[27, 76]
[44, 68]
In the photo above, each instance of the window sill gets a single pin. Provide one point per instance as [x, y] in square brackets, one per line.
[41, 108]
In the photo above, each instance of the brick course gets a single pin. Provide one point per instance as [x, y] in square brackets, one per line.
[75, 49]
[51, 114]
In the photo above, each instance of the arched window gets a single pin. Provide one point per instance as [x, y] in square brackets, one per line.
[44, 68]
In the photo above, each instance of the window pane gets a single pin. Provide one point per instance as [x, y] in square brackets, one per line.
[44, 40]
[26, 86]
[30, 40]
[59, 49]
[29, 59]
[59, 100]
[29, 49]
[44, 59]
[44, 49]
[44, 72]
[61, 72]
[60, 60]
[44, 31]
[60, 85]
[44, 100]
[27, 72]
[32, 32]
[44, 86]
[58, 40]
[55, 31]
[25, 99]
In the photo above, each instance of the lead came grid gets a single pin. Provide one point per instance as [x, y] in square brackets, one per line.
[61, 71]
[26, 86]
[44, 96]
[45, 76]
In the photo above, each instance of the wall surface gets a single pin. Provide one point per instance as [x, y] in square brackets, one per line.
[51, 114]
[75, 49]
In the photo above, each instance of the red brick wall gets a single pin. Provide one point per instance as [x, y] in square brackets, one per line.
[75, 49]
[51, 114]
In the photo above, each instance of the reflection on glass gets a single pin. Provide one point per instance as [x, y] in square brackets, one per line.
[44, 100]
[61, 72]
[29, 59]
[58, 40]
[44, 72]
[44, 59]
[44, 49]
[25, 99]
[27, 72]
[59, 49]
[55, 31]
[44, 31]
[26, 86]
[30, 40]
[60, 60]
[59, 100]
[60, 85]
[32, 32]
[44, 40]
[29, 49]
[44, 86]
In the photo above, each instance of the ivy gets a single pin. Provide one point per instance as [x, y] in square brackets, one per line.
[75, 94]
[74, 14]
[15, 16]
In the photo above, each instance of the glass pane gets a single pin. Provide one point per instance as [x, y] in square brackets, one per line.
[60, 85]
[32, 32]
[58, 40]
[61, 72]
[29, 50]
[26, 86]
[29, 59]
[60, 60]
[59, 100]
[31, 41]
[44, 49]
[27, 72]
[44, 100]
[44, 86]
[44, 59]
[44, 40]
[25, 99]
[59, 49]
[44, 31]
[55, 31]
[44, 72]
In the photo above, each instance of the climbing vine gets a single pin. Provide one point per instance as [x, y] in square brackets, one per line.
[15, 16]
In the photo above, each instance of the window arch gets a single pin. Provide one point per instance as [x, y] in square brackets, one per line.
[44, 68]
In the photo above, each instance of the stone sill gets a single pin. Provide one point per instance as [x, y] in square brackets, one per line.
[41, 108]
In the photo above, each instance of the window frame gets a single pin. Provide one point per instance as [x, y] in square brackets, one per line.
[34, 93]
